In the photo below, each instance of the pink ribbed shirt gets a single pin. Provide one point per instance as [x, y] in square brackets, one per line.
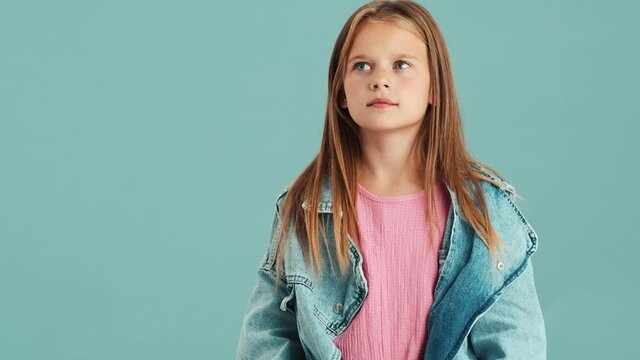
[401, 272]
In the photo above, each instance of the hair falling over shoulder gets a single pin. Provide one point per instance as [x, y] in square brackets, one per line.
[438, 150]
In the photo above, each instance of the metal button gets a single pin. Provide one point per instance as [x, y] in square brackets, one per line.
[500, 265]
[338, 308]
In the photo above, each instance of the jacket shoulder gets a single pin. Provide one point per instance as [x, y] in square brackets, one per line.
[500, 183]
[281, 197]
[506, 215]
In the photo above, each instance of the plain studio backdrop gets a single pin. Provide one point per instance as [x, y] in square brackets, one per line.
[143, 144]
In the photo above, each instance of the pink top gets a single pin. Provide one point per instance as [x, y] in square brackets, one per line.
[401, 273]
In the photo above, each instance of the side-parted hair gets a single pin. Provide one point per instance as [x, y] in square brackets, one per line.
[438, 151]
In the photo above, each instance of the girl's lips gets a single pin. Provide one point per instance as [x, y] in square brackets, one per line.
[381, 105]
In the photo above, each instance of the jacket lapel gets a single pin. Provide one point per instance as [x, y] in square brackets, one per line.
[469, 283]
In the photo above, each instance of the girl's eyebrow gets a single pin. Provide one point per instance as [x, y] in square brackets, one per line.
[356, 57]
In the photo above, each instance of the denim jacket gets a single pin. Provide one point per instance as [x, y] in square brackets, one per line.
[475, 315]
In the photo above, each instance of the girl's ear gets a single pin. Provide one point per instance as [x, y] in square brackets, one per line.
[344, 103]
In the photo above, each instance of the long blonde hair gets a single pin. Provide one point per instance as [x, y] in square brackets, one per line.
[438, 150]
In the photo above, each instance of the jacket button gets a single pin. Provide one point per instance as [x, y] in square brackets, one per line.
[500, 266]
[338, 308]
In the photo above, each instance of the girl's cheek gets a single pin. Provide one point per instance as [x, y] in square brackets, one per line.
[351, 85]
[413, 80]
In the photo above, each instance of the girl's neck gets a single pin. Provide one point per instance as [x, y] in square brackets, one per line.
[390, 183]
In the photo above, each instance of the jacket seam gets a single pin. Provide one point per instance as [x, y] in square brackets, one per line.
[530, 232]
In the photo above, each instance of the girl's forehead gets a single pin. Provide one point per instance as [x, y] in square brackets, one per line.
[385, 38]
[376, 28]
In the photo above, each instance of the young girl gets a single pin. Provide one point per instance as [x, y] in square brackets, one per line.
[433, 253]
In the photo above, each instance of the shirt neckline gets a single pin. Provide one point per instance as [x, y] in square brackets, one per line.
[389, 198]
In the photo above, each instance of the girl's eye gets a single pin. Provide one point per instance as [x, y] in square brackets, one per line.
[358, 64]
[401, 62]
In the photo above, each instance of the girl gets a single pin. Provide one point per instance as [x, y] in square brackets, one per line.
[433, 254]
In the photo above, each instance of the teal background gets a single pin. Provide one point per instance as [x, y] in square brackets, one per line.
[143, 144]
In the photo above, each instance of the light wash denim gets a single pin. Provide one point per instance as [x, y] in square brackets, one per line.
[475, 314]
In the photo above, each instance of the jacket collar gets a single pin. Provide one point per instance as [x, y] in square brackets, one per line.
[325, 204]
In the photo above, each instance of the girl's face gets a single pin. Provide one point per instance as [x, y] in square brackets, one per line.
[389, 62]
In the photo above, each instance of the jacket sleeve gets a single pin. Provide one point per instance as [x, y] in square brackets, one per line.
[513, 327]
[269, 329]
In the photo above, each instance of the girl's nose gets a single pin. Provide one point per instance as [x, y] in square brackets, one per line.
[379, 82]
